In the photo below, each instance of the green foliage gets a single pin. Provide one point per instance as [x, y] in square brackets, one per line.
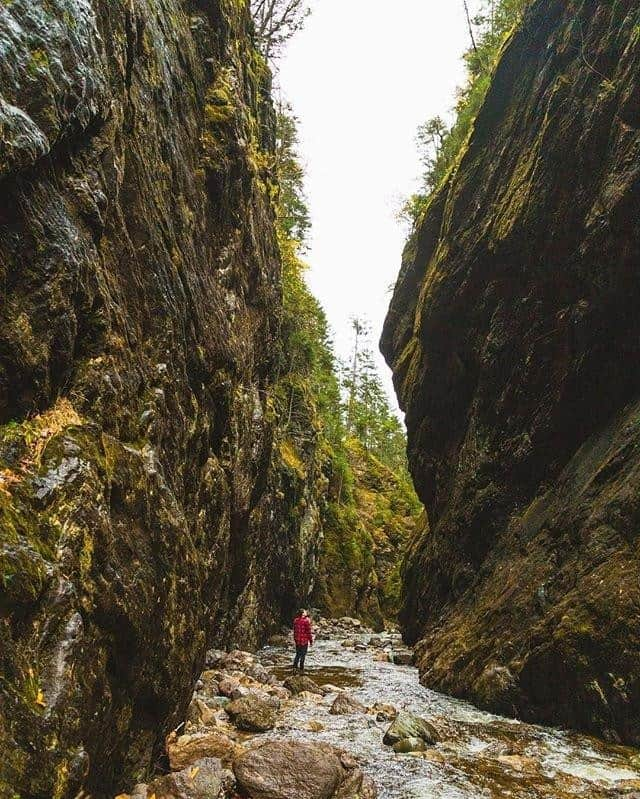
[293, 212]
[368, 415]
[440, 145]
[341, 424]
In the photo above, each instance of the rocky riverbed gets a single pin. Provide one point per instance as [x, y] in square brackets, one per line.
[358, 725]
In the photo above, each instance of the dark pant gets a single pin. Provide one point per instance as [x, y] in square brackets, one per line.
[301, 653]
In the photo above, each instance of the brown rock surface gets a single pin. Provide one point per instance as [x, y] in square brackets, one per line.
[514, 336]
[344, 705]
[295, 770]
[185, 750]
[141, 507]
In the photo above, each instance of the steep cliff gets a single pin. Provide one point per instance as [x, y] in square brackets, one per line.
[141, 507]
[514, 336]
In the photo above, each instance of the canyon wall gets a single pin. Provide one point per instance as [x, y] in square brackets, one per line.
[514, 337]
[146, 510]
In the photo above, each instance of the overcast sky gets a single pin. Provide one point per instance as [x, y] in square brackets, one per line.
[361, 77]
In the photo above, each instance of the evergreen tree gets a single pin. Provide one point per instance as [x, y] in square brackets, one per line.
[439, 145]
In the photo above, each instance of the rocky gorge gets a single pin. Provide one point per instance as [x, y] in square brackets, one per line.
[513, 337]
[183, 464]
[357, 725]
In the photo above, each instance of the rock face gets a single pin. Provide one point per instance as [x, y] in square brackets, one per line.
[143, 510]
[514, 337]
[364, 538]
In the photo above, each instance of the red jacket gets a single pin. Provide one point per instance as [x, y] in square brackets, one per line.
[302, 634]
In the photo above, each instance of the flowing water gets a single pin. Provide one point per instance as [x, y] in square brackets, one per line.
[483, 756]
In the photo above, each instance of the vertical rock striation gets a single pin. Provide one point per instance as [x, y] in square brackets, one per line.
[139, 338]
[514, 336]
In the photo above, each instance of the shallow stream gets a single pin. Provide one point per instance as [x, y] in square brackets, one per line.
[483, 756]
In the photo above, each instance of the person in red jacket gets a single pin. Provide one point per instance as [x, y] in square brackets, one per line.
[303, 636]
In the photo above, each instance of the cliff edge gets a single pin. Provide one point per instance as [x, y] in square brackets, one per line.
[514, 337]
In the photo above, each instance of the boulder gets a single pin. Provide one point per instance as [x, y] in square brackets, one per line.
[252, 713]
[348, 643]
[298, 683]
[346, 705]
[297, 770]
[406, 725]
[185, 750]
[385, 712]
[202, 780]
[407, 745]
[403, 658]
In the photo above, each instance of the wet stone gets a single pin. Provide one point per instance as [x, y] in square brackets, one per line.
[202, 780]
[344, 705]
[406, 725]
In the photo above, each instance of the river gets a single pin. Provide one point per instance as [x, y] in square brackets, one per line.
[482, 756]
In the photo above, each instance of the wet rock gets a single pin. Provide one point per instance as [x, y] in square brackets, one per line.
[315, 726]
[407, 745]
[406, 725]
[252, 713]
[299, 683]
[360, 647]
[202, 780]
[313, 698]
[375, 642]
[382, 657]
[496, 688]
[403, 658]
[348, 643]
[345, 705]
[185, 750]
[384, 711]
[296, 770]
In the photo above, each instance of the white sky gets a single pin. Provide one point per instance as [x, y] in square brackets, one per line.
[361, 77]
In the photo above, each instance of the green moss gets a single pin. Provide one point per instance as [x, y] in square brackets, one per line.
[39, 62]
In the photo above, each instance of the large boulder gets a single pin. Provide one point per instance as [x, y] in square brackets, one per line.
[185, 750]
[406, 725]
[252, 713]
[298, 684]
[296, 770]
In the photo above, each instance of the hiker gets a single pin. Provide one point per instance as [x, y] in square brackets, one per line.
[303, 636]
